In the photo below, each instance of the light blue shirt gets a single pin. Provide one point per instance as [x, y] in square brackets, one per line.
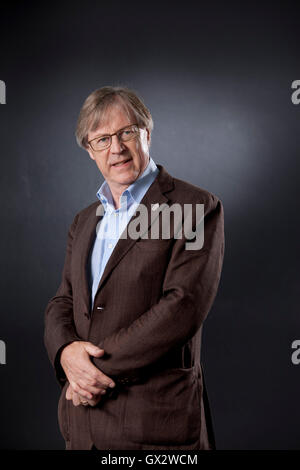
[115, 221]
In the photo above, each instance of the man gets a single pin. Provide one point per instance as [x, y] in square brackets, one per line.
[123, 331]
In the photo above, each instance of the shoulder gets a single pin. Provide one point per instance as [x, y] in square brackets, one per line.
[188, 193]
[87, 213]
[89, 210]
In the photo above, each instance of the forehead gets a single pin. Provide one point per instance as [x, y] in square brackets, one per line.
[113, 118]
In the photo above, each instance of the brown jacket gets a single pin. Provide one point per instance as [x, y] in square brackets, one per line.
[148, 313]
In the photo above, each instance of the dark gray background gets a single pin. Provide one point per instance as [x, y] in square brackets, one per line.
[217, 78]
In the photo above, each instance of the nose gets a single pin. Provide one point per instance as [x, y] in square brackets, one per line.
[116, 145]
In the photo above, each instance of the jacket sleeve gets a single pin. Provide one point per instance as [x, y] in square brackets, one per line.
[59, 325]
[189, 289]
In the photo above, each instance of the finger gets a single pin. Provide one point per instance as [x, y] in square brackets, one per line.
[76, 399]
[69, 393]
[86, 375]
[93, 350]
[92, 376]
[85, 382]
[95, 377]
[93, 389]
[84, 401]
[95, 400]
[81, 391]
[105, 381]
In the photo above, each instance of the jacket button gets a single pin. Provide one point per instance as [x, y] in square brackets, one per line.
[125, 380]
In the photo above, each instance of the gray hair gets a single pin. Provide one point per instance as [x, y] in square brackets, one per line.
[96, 104]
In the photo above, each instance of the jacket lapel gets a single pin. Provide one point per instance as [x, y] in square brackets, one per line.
[86, 243]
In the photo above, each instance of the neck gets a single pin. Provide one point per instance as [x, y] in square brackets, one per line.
[117, 193]
[118, 189]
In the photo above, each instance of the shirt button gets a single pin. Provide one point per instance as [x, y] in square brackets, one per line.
[110, 245]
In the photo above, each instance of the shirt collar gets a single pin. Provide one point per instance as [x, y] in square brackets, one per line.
[131, 194]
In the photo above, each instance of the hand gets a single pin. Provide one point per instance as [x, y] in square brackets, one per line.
[84, 378]
[79, 399]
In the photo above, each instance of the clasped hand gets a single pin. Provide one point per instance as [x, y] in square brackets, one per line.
[87, 384]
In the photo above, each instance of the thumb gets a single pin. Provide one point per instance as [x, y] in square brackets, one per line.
[93, 350]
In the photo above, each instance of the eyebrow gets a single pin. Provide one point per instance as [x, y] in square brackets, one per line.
[103, 135]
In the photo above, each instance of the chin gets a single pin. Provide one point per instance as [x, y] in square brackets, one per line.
[130, 176]
[128, 181]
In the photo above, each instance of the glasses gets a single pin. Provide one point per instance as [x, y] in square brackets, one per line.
[124, 135]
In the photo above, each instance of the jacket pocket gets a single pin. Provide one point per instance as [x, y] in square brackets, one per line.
[63, 414]
[153, 244]
[165, 410]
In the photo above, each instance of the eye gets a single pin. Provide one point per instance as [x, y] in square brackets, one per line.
[126, 133]
[102, 140]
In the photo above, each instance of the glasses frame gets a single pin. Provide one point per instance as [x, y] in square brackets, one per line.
[110, 137]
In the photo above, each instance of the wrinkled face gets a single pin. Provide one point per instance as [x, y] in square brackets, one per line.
[134, 154]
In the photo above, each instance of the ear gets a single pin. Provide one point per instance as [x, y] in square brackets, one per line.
[148, 137]
[88, 149]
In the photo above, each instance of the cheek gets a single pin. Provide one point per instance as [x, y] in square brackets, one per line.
[103, 166]
[138, 150]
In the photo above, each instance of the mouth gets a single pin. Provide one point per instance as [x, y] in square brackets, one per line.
[123, 163]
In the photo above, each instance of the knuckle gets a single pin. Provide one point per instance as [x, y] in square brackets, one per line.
[82, 384]
[95, 375]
